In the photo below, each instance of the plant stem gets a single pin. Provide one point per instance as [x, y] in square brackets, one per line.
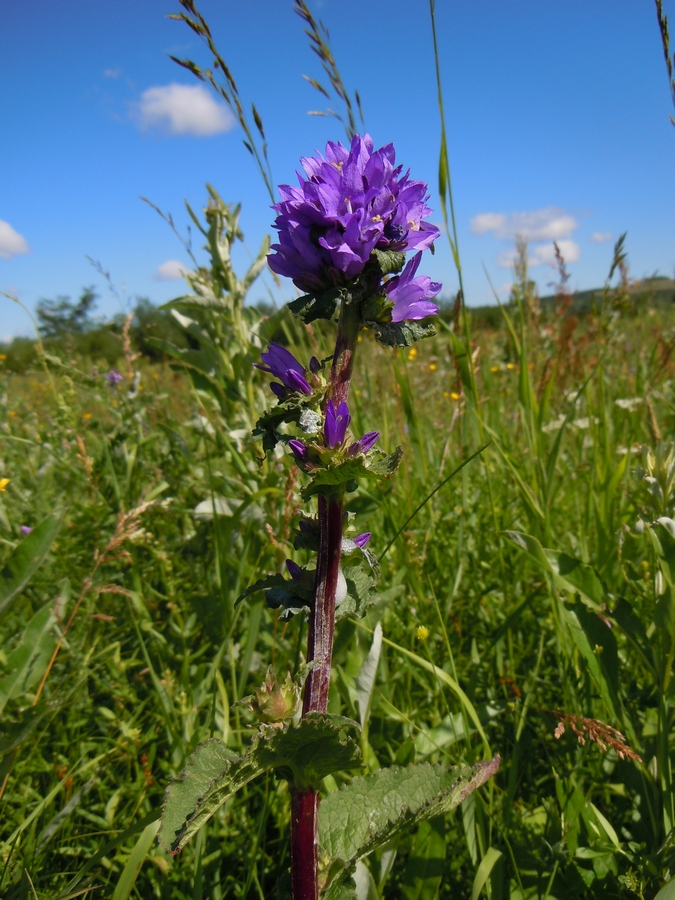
[305, 805]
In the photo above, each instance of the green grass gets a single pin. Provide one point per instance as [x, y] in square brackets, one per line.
[157, 653]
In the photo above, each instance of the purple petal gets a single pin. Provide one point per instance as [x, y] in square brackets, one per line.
[294, 570]
[368, 440]
[411, 296]
[299, 450]
[336, 424]
[362, 539]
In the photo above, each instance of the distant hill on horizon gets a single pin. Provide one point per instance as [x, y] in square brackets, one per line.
[657, 291]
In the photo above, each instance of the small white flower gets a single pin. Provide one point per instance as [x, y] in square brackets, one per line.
[629, 403]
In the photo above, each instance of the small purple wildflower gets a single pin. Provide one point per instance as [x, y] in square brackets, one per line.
[364, 444]
[336, 424]
[412, 296]
[113, 378]
[350, 203]
[25, 529]
[362, 539]
[299, 450]
[294, 570]
[281, 363]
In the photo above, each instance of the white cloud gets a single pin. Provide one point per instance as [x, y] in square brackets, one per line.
[544, 254]
[549, 224]
[507, 259]
[541, 255]
[601, 237]
[171, 270]
[11, 242]
[485, 222]
[112, 73]
[182, 109]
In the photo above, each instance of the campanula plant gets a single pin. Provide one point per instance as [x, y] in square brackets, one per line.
[343, 235]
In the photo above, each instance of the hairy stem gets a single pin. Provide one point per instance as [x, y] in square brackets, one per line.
[305, 806]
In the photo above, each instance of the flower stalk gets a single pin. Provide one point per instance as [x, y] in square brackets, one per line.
[305, 806]
[343, 235]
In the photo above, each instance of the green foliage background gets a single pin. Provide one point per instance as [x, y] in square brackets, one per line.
[157, 653]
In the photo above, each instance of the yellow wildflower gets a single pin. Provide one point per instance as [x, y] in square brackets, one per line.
[86, 416]
[433, 367]
[422, 633]
[510, 366]
[3, 483]
[494, 369]
[2, 356]
[454, 395]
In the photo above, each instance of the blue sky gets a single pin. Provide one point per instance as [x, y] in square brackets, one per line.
[557, 118]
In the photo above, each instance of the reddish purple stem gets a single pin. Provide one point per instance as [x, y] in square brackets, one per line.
[305, 805]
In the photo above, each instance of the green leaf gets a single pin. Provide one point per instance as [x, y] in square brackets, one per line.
[389, 261]
[401, 334]
[26, 559]
[426, 864]
[303, 753]
[596, 643]
[360, 594]
[667, 892]
[13, 734]
[372, 810]
[483, 871]
[137, 857]
[309, 308]
[365, 681]
[569, 574]
[350, 470]
[292, 597]
[27, 662]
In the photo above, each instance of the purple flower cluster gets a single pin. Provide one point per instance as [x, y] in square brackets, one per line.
[351, 203]
[335, 427]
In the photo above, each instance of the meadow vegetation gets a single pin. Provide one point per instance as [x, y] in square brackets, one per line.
[526, 601]
[521, 599]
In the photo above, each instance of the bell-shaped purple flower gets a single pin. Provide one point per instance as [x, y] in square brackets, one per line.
[294, 570]
[364, 444]
[412, 296]
[350, 203]
[336, 424]
[299, 450]
[281, 363]
[362, 539]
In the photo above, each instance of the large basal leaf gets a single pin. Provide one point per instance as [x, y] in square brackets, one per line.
[370, 811]
[569, 574]
[27, 663]
[26, 559]
[303, 753]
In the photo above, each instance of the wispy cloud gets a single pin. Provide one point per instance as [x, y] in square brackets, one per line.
[541, 254]
[538, 227]
[181, 109]
[11, 242]
[112, 73]
[549, 224]
[171, 270]
[601, 237]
